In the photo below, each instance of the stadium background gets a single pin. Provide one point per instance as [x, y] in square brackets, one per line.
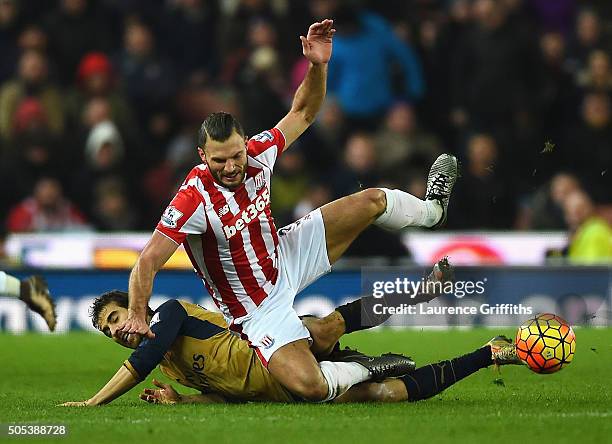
[100, 102]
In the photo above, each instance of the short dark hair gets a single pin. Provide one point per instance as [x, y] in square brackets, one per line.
[218, 126]
[119, 297]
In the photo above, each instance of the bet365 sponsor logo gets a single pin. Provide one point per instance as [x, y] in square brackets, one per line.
[242, 219]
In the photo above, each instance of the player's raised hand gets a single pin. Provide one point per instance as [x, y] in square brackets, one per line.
[317, 45]
[135, 324]
[164, 395]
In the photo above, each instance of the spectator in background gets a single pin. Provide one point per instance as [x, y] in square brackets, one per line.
[317, 194]
[544, 209]
[482, 198]
[31, 82]
[439, 38]
[149, 79]
[33, 37]
[9, 32]
[588, 149]
[504, 89]
[362, 67]
[491, 81]
[590, 237]
[189, 30]
[597, 75]
[291, 181]
[401, 143]
[75, 30]
[588, 37]
[35, 155]
[260, 79]
[359, 169]
[556, 95]
[45, 211]
[236, 17]
[95, 78]
[325, 138]
[104, 154]
[111, 210]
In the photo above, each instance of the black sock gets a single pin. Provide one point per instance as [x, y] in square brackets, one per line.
[356, 317]
[432, 379]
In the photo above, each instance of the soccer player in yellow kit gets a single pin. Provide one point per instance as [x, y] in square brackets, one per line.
[193, 347]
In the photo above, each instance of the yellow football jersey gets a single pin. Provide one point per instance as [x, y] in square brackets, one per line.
[200, 352]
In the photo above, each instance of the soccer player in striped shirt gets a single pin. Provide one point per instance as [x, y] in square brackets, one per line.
[221, 215]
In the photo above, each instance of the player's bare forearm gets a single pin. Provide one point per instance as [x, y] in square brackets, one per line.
[306, 103]
[153, 257]
[311, 92]
[121, 382]
[140, 287]
[317, 48]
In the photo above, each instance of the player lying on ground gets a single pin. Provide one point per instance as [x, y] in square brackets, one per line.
[194, 347]
[33, 291]
[221, 214]
[205, 331]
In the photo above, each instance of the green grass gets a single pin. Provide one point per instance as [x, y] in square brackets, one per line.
[575, 405]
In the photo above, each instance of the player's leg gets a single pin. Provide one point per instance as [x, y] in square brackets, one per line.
[349, 317]
[33, 291]
[347, 217]
[282, 343]
[430, 380]
[295, 368]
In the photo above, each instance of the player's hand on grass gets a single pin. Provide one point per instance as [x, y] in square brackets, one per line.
[135, 324]
[164, 395]
[317, 45]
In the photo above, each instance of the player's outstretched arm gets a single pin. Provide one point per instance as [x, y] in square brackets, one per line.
[317, 48]
[155, 254]
[165, 394]
[122, 382]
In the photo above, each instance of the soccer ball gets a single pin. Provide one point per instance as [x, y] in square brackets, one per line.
[545, 343]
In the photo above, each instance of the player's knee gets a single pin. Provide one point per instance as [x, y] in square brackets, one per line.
[374, 200]
[315, 392]
[310, 387]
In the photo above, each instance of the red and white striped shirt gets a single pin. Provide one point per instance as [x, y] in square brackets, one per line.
[230, 236]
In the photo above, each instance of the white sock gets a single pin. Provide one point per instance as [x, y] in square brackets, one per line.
[9, 285]
[341, 376]
[405, 210]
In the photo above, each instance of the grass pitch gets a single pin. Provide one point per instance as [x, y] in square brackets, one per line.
[575, 405]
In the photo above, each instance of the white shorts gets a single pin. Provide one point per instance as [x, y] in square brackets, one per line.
[302, 260]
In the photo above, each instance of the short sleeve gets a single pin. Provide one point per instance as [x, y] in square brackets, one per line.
[185, 215]
[266, 146]
[166, 324]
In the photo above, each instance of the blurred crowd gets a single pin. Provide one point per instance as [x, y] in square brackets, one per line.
[100, 102]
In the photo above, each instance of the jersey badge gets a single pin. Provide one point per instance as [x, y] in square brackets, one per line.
[171, 217]
[267, 341]
[154, 320]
